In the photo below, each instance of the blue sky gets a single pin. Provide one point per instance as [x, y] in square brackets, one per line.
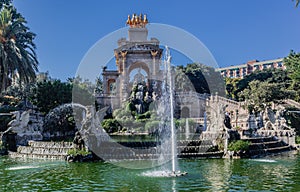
[234, 31]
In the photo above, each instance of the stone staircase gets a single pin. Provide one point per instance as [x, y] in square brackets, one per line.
[197, 149]
[43, 150]
[149, 150]
[117, 150]
[262, 146]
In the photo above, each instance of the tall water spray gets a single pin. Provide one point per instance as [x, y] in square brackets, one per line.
[187, 129]
[168, 148]
[172, 126]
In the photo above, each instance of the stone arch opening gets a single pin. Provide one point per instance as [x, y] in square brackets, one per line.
[138, 72]
[185, 112]
[111, 86]
[139, 65]
[269, 126]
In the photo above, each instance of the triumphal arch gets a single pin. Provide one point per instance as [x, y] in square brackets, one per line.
[138, 59]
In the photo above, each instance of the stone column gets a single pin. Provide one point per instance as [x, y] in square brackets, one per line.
[123, 92]
[123, 54]
[154, 53]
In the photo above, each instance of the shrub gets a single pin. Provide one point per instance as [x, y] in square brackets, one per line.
[110, 125]
[151, 126]
[75, 152]
[61, 120]
[146, 115]
[239, 145]
[2, 147]
[297, 139]
[182, 123]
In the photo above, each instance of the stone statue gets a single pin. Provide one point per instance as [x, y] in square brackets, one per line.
[227, 121]
[154, 96]
[139, 78]
[137, 21]
[20, 123]
[147, 98]
[78, 141]
[139, 102]
[25, 131]
[15, 122]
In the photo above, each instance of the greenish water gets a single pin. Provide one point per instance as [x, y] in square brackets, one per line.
[279, 173]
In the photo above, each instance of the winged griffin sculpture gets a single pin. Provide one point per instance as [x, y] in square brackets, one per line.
[20, 123]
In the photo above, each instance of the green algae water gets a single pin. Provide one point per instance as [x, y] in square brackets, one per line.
[277, 173]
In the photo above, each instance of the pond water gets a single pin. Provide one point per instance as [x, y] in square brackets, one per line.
[277, 173]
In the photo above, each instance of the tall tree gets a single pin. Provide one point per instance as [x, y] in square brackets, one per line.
[204, 78]
[259, 95]
[5, 3]
[18, 60]
[292, 63]
[49, 94]
[297, 2]
[278, 76]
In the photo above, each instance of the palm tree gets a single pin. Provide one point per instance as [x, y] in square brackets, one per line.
[297, 2]
[18, 59]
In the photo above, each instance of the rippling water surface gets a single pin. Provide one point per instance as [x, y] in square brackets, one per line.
[278, 173]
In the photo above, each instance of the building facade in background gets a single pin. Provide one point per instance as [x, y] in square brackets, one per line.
[240, 71]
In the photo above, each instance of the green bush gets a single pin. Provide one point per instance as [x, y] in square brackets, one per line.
[239, 145]
[151, 126]
[1, 146]
[146, 115]
[110, 125]
[61, 119]
[122, 114]
[75, 152]
[182, 123]
[297, 139]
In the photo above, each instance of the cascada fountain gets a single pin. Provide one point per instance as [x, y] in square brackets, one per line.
[161, 152]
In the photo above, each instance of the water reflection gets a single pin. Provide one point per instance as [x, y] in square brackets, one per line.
[174, 185]
[276, 173]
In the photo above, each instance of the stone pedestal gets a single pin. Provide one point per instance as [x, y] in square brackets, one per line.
[138, 34]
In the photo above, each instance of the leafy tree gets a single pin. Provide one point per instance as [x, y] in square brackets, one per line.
[83, 91]
[277, 76]
[292, 63]
[48, 94]
[259, 95]
[239, 145]
[204, 78]
[231, 87]
[182, 81]
[5, 3]
[18, 60]
[51, 93]
[60, 119]
[17, 95]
